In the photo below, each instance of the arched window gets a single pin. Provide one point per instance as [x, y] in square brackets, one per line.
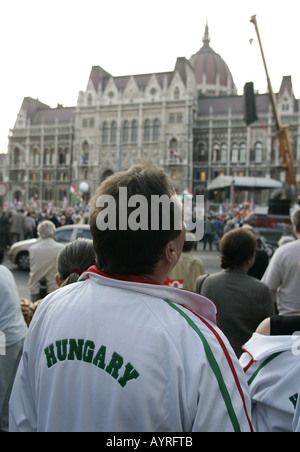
[224, 153]
[89, 100]
[147, 127]
[125, 132]
[258, 152]
[105, 133]
[113, 132]
[61, 156]
[176, 93]
[156, 129]
[235, 153]
[47, 157]
[243, 153]
[17, 156]
[134, 131]
[173, 149]
[36, 157]
[85, 152]
[216, 157]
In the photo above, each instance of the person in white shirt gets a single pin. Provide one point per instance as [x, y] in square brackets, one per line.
[118, 351]
[12, 333]
[42, 256]
[283, 273]
[272, 367]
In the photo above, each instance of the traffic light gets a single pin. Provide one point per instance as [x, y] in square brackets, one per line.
[250, 115]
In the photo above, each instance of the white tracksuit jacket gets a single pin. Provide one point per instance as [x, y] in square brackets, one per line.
[272, 369]
[111, 355]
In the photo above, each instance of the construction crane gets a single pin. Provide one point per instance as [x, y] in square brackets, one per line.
[282, 131]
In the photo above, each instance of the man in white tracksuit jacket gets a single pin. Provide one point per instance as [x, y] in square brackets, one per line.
[115, 352]
[272, 368]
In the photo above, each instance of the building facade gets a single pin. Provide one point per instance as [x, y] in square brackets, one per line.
[190, 121]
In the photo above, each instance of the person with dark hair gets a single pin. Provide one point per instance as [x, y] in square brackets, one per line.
[243, 302]
[119, 351]
[283, 273]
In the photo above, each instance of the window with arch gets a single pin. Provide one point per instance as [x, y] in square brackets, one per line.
[125, 135]
[61, 156]
[90, 100]
[243, 153]
[176, 93]
[36, 157]
[47, 156]
[113, 132]
[147, 130]
[224, 153]
[201, 154]
[17, 156]
[216, 156]
[235, 153]
[258, 152]
[134, 131]
[156, 130]
[173, 149]
[105, 133]
[85, 148]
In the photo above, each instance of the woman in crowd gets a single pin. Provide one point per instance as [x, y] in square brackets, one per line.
[243, 302]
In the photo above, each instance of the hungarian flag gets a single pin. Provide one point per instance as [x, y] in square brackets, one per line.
[75, 194]
[176, 154]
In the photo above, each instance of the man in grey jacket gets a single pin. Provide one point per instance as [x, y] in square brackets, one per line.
[43, 257]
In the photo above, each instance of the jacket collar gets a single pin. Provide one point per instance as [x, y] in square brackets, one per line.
[197, 303]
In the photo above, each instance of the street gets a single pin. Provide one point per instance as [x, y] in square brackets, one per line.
[209, 258]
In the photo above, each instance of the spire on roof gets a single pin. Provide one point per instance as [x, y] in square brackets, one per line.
[206, 38]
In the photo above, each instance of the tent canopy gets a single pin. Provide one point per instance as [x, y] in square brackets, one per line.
[243, 182]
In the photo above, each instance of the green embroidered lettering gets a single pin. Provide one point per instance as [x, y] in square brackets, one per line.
[129, 374]
[61, 349]
[50, 356]
[115, 365]
[75, 348]
[294, 399]
[88, 351]
[99, 359]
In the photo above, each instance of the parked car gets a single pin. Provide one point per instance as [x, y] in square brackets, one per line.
[18, 253]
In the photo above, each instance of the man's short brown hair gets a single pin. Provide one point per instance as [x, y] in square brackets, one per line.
[296, 220]
[132, 251]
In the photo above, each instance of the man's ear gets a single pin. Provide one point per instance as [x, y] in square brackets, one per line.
[170, 252]
[57, 279]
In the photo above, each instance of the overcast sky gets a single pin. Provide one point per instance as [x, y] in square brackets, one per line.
[48, 47]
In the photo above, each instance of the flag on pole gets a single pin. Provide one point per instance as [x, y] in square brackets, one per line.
[176, 154]
[187, 192]
[75, 194]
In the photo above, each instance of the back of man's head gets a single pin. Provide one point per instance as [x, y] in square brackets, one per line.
[296, 220]
[135, 234]
[46, 230]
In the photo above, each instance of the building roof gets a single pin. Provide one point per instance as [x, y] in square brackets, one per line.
[211, 70]
[243, 182]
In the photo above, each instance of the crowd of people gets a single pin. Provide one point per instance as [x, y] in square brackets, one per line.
[114, 345]
[20, 223]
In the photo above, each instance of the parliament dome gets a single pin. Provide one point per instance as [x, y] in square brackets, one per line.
[213, 77]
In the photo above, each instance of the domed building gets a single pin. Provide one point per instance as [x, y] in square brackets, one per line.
[190, 121]
[212, 75]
